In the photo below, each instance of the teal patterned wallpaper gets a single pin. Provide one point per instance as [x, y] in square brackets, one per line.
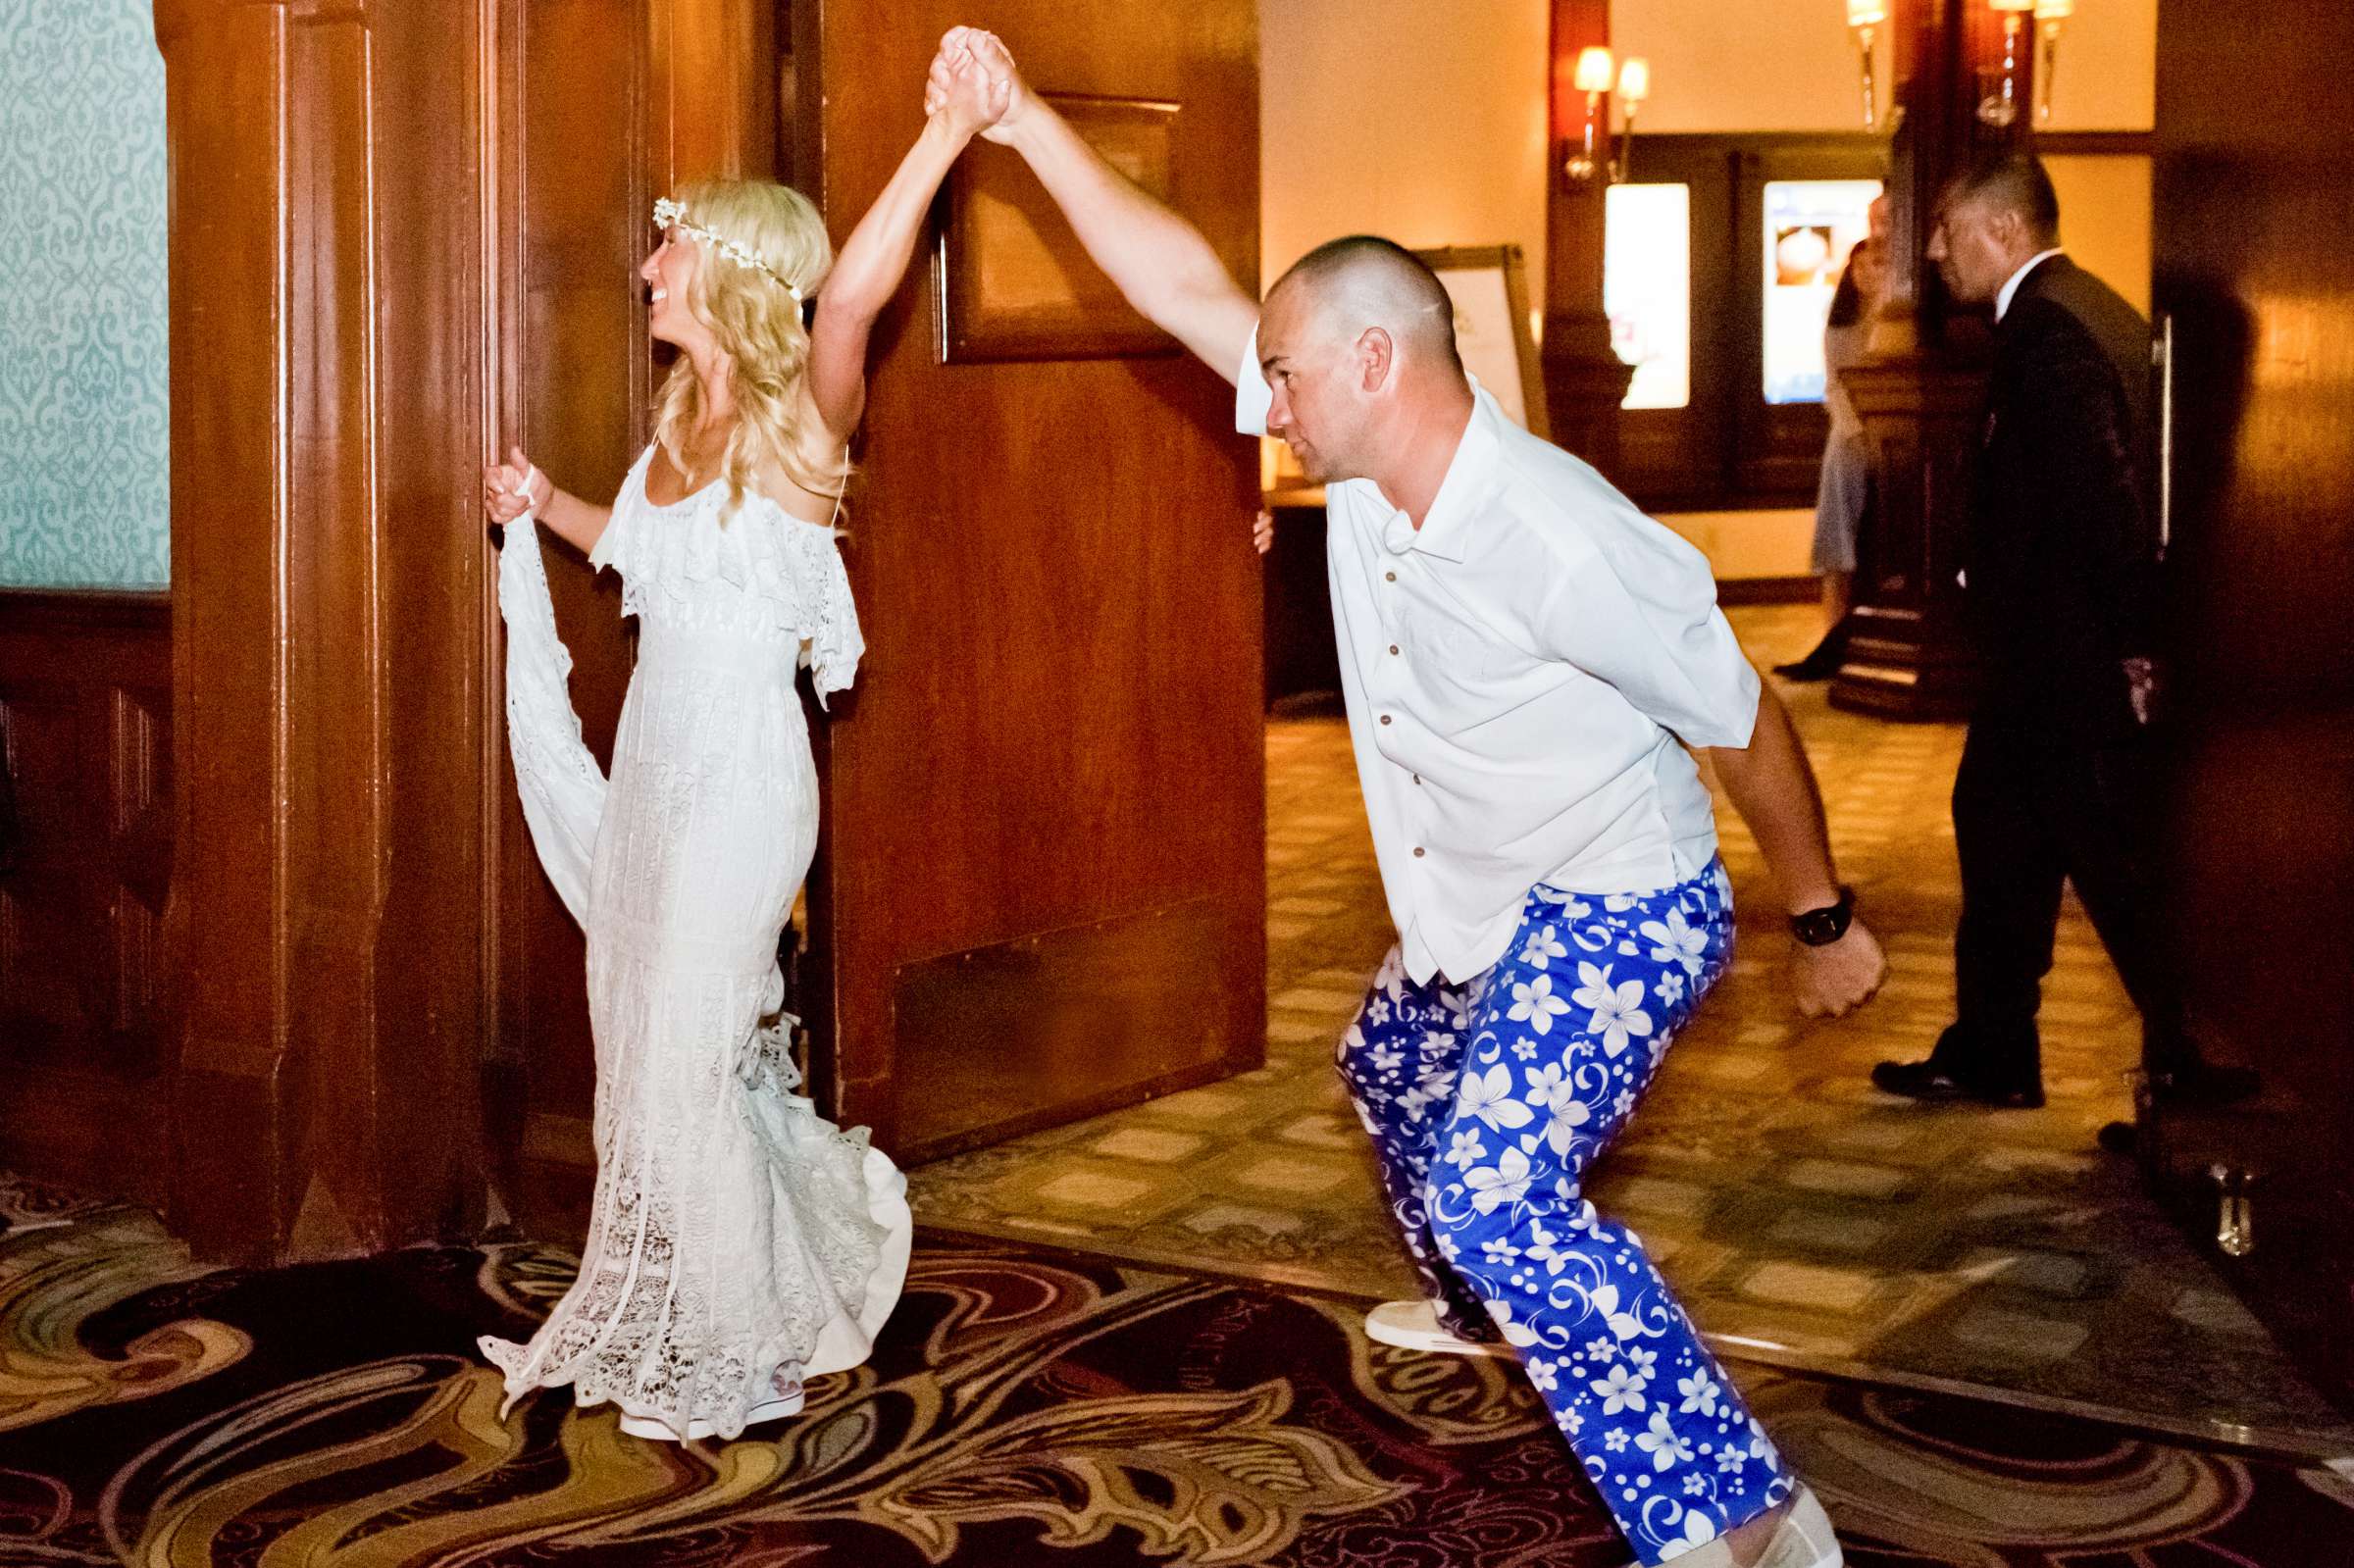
[84, 427]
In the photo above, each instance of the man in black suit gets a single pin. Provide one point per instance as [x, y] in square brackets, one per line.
[2061, 563]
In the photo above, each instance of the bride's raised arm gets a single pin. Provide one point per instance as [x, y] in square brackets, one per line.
[867, 272]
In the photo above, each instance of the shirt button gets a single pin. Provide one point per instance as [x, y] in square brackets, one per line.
[1417, 851]
[1418, 777]
[1389, 577]
[1385, 718]
[1392, 647]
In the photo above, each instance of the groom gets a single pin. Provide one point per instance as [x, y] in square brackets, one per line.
[1521, 652]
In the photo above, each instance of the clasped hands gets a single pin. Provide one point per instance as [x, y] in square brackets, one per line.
[973, 83]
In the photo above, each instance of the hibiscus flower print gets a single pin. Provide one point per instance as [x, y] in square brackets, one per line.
[1699, 1394]
[1535, 1004]
[1541, 1249]
[1505, 1182]
[1622, 1389]
[1699, 1531]
[1674, 941]
[1543, 949]
[1619, 1014]
[1387, 1058]
[1667, 1447]
[1563, 1117]
[1467, 1150]
[1489, 1096]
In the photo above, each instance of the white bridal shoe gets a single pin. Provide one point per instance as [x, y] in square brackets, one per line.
[1415, 1326]
[1804, 1541]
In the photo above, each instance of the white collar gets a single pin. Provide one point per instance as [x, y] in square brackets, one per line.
[2002, 300]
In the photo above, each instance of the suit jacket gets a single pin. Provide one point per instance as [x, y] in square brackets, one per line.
[2061, 553]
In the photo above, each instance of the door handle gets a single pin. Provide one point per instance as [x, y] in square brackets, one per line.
[2234, 1210]
[2163, 351]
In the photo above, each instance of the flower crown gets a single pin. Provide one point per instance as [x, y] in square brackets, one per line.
[669, 214]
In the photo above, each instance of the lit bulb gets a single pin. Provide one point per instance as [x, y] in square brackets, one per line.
[1634, 81]
[1594, 68]
[1867, 13]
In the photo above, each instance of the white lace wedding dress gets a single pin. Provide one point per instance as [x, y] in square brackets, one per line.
[738, 1242]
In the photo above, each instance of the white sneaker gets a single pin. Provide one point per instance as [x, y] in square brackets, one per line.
[1415, 1326]
[1804, 1540]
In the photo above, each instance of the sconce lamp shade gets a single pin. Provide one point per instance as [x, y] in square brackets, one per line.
[2011, 4]
[1867, 13]
[1593, 68]
[2054, 10]
[1634, 81]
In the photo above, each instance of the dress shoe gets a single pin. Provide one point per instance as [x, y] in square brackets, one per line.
[2199, 1084]
[1804, 1539]
[1932, 1084]
[1415, 1326]
[1819, 665]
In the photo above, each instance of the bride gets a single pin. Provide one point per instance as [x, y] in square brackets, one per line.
[739, 1243]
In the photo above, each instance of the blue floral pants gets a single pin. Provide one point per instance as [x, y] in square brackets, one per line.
[1487, 1102]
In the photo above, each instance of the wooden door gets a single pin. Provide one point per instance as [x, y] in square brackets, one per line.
[604, 106]
[1044, 884]
[2255, 272]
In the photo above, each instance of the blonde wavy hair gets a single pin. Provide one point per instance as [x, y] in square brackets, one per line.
[757, 323]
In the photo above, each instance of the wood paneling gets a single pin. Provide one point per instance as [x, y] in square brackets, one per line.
[2255, 268]
[85, 744]
[405, 237]
[1058, 720]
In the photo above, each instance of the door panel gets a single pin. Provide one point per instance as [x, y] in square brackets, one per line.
[2255, 272]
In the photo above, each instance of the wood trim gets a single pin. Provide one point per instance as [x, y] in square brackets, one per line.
[41, 612]
[2096, 143]
[1769, 591]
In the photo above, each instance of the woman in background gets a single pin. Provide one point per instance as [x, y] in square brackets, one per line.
[1845, 488]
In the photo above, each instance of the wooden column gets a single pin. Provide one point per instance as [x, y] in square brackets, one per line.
[1920, 394]
[1585, 380]
[330, 648]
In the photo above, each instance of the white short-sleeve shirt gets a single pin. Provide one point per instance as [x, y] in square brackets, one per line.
[1518, 672]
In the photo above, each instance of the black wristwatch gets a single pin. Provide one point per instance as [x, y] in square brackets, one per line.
[1820, 928]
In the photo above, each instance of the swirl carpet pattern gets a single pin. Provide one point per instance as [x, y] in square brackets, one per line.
[1026, 1407]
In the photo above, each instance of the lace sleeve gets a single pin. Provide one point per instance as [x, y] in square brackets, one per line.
[834, 641]
[563, 791]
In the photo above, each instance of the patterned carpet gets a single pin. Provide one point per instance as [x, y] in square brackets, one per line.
[1805, 1216]
[1024, 1407]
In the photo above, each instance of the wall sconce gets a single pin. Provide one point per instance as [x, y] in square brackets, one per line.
[1634, 85]
[2000, 104]
[2050, 15]
[1595, 67]
[1865, 18]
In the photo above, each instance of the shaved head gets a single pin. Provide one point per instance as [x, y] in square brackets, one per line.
[1349, 285]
